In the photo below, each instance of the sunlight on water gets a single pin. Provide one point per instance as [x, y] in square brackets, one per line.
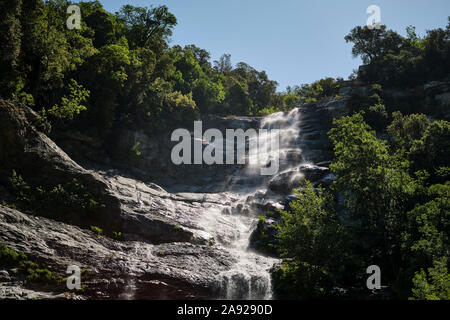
[249, 278]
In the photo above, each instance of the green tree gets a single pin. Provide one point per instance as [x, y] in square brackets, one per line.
[407, 129]
[10, 36]
[70, 105]
[432, 151]
[105, 76]
[375, 187]
[427, 237]
[311, 240]
[147, 27]
[101, 22]
[223, 65]
[373, 44]
[435, 285]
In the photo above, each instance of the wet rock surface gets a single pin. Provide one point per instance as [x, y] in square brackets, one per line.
[185, 230]
[117, 269]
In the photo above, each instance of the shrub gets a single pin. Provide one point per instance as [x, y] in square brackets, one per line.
[54, 201]
[33, 272]
[96, 230]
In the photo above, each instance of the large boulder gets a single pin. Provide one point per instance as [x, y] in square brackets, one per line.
[117, 270]
[43, 164]
[284, 182]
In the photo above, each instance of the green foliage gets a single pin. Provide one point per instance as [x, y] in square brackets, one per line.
[372, 44]
[371, 106]
[396, 61]
[387, 213]
[375, 185]
[33, 272]
[10, 38]
[10, 258]
[435, 285]
[407, 129]
[70, 105]
[433, 149]
[11, 206]
[56, 201]
[312, 240]
[429, 223]
[264, 238]
[118, 70]
[146, 27]
[135, 148]
[117, 235]
[267, 111]
[223, 65]
[44, 276]
[321, 89]
[377, 116]
[96, 230]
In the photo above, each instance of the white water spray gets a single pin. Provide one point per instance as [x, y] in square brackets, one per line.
[250, 278]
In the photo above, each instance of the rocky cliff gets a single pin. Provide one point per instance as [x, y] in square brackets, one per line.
[167, 246]
[168, 231]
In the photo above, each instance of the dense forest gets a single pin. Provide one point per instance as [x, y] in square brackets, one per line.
[118, 69]
[390, 202]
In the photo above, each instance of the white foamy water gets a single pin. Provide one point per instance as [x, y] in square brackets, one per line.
[249, 278]
[232, 217]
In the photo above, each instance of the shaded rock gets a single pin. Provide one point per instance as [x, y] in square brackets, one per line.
[42, 163]
[131, 207]
[263, 239]
[116, 268]
[313, 173]
[4, 276]
[148, 158]
[328, 180]
[283, 183]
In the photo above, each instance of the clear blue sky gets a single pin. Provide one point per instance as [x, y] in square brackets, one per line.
[295, 41]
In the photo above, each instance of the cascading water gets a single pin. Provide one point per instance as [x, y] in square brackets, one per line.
[249, 278]
[231, 216]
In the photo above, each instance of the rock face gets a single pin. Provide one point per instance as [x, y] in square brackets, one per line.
[185, 236]
[174, 245]
[149, 158]
[316, 121]
[185, 230]
[36, 157]
[118, 270]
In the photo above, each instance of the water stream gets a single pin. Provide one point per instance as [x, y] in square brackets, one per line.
[249, 278]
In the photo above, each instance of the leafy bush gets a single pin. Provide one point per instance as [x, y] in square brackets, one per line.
[311, 240]
[33, 272]
[264, 237]
[53, 201]
[433, 285]
[321, 89]
[96, 230]
[396, 61]
[70, 105]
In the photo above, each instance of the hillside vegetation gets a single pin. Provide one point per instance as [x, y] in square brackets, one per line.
[390, 202]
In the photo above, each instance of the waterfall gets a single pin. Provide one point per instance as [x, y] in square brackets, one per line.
[250, 278]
